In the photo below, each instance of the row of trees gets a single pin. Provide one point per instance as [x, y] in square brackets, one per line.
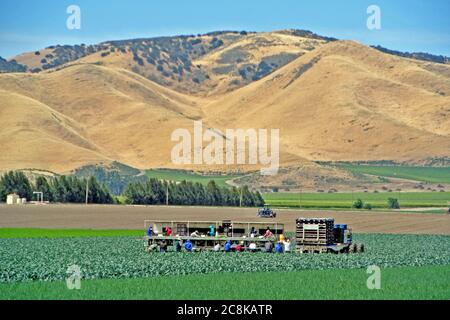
[65, 189]
[71, 189]
[187, 193]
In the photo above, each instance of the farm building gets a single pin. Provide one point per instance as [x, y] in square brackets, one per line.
[15, 199]
[12, 198]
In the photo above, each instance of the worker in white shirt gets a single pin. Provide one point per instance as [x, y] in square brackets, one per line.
[287, 245]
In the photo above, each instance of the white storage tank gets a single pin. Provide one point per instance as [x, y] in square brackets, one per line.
[12, 198]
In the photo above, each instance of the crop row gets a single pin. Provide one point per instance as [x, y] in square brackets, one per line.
[124, 257]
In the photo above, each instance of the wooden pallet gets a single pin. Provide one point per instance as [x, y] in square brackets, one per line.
[315, 231]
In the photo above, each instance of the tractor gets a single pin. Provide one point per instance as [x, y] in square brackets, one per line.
[266, 212]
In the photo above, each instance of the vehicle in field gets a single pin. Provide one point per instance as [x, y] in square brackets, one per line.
[312, 235]
[323, 235]
[266, 212]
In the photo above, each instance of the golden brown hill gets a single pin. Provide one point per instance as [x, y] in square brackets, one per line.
[251, 58]
[340, 101]
[34, 135]
[89, 113]
[345, 101]
[195, 64]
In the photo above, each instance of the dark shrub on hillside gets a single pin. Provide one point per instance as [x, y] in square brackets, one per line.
[358, 204]
[393, 203]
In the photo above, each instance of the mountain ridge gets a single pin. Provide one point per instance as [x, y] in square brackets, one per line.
[332, 100]
[57, 55]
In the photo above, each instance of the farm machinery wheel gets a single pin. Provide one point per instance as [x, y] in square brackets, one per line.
[355, 248]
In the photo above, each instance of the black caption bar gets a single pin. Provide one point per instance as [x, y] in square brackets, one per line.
[217, 309]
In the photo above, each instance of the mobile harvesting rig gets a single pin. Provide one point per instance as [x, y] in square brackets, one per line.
[312, 235]
[226, 230]
[323, 235]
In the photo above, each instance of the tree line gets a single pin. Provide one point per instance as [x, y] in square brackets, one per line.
[156, 192]
[64, 189]
[72, 189]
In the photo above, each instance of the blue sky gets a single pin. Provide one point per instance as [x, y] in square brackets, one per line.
[412, 25]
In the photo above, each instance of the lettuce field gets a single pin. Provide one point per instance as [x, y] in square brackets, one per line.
[47, 259]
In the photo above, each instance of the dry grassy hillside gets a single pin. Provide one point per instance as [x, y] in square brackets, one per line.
[91, 113]
[195, 64]
[312, 177]
[36, 136]
[335, 100]
[251, 58]
[345, 101]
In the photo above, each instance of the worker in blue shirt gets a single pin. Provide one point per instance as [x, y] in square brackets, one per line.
[279, 247]
[227, 247]
[188, 246]
[212, 231]
[150, 231]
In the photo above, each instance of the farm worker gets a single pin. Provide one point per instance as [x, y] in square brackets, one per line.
[268, 246]
[268, 233]
[178, 246]
[163, 246]
[169, 231]
[152, 247]
[279, 247]
[287, 245]
[282, 238]
[253, 232]
[211, 232]
[195, 234]
[188, 246]
[238, 247]
[150, 231]
[227, 247]
[217, 247]
[252, 247]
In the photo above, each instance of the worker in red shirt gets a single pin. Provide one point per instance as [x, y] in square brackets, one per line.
[268, 233]
[169, 231]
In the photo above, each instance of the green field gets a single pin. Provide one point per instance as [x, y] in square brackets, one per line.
[27, 259]
[424, 174]
[345, 200]
[180, 175]
[117, 267]
[431, 282]
[17, 233]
